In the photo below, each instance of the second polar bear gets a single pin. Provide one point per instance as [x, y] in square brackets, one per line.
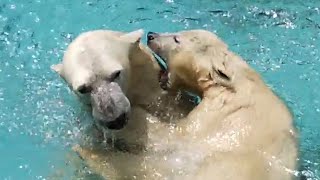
[246, 130]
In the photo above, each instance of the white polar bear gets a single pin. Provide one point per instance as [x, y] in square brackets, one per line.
[97, 77]
[243, 130]
[117, 77]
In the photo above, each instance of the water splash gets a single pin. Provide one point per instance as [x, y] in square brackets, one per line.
[42, 116]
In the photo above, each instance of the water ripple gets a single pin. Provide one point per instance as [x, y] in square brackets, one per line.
[278, 39]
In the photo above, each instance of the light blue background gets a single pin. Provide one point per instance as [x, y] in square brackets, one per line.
[40, 119]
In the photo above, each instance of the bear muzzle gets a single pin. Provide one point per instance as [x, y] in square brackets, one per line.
[110, 106]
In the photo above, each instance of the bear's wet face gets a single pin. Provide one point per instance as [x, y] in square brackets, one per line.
[183, 52]
[96, 68]
[110, 106]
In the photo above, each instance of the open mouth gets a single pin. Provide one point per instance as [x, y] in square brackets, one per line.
[161, 61]
[163, 74]
[117, 124]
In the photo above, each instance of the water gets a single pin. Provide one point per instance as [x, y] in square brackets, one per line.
[40, 118]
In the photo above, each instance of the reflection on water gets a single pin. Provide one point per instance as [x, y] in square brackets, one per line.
[40, 118]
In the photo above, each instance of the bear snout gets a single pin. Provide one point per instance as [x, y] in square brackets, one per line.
[152, 42]
[110, 105]
[152, 35]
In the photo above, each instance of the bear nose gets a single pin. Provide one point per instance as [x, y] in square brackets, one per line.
[151, 36]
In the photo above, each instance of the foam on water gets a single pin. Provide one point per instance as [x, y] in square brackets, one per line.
[40, 118]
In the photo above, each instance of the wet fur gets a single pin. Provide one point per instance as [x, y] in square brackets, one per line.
[152, 114]
[246, 129]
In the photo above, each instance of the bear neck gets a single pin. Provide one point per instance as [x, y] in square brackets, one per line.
[215, 92]
[144, 83]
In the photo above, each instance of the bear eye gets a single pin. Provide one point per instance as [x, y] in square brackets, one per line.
[176, 39]
[115, 75]
[84, 89]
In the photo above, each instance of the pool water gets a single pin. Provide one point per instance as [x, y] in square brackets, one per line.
[40, 119]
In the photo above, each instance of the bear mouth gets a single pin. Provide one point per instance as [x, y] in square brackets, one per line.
[164, 79]
[160, 60]
[117, 124]
[163, 73]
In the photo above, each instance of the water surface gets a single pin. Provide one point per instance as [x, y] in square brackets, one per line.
[40, 118]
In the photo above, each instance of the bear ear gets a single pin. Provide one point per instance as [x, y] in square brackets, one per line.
[221, 74]
[134, 36]
[57, 68]
[222, 71]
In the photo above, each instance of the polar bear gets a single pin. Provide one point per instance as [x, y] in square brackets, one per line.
[243, 130]
[97, 78]
[117, 77]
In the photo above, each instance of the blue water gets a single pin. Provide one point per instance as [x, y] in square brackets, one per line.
[40, 118]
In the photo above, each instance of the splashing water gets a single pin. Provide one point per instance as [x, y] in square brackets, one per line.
[40, 118]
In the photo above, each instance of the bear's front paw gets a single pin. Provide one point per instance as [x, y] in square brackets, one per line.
[77, 149]
[84, 153]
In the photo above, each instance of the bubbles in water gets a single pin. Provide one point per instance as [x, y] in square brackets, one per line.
[281, 43]
[169, 1]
